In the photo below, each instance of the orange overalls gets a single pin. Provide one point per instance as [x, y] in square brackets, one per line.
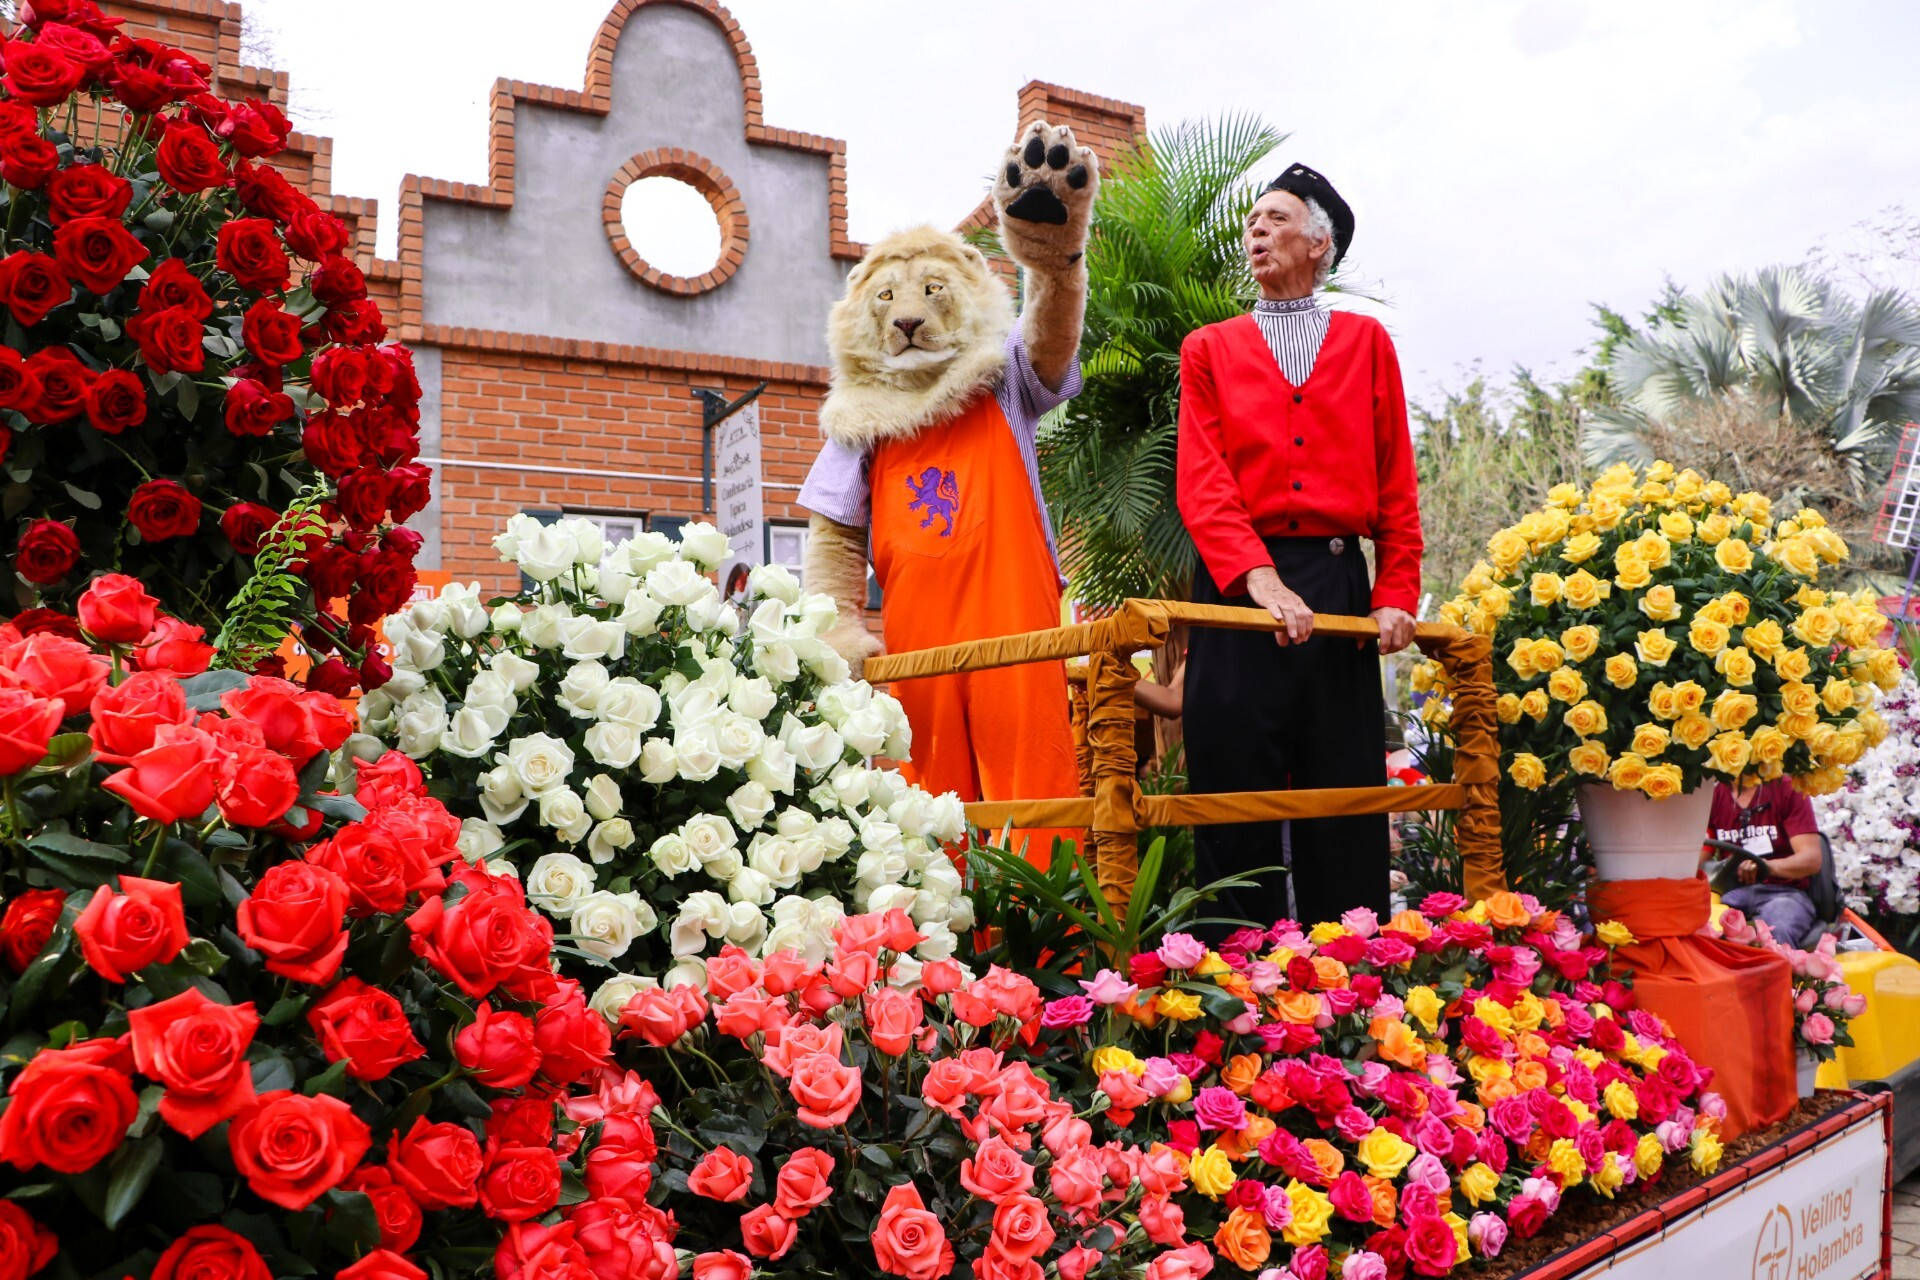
[961, 553]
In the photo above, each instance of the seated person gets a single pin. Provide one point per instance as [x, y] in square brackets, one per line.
[1775, 821]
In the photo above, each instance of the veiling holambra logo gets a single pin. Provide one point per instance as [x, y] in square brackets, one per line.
[1806, 1244]
[1773, 1249]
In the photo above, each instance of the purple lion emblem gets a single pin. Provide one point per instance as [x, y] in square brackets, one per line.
[937, 493]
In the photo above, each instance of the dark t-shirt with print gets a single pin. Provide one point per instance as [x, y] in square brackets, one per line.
[1776, 813]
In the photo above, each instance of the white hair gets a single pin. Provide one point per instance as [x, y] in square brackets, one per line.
[1320, 227]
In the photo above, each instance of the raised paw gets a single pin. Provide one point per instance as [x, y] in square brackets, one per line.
[1044, 193]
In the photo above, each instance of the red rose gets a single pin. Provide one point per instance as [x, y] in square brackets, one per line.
[172, 284]
[298, 724]
[385, 579]
[485, 938]
[520, 1183]
[909, 1241]
[825, 1089]
[25, 1245]
[97, 252]
[271, 333]
[197, 1049]
[410, 491]
[19, 386]
[27, 724]
[252, 409]
[804, 1183]
[364, 494]
[621, 1166]
[255, 128]
[723, 1264]
[367, 1027]
[521, 1120]
[170, 780]
[332, 676]
[63, 384]
[127, 715]
[32, 284]
[169, 339]
[768, 1235]
[27, 924]
[211, 1252]
[64, 34]
[337, 280]
[161, 509]
[28, 161]
[722, 1174]
[249, 250]
[141, 925]
[293, 1149]
[245, 525]
[87, 191]
[393, 1208]
[39, 76]
[115, 401]
[264, 192]
[188, 159]
[440, 1164]
[71, 1108]
[313, 234]
[55, 666]
[530, 1251]
[294, 918]
[47, 552]
[574, 1040]
[386, 781]
[340, 376]
[174, 646]
[498, 1047]
[116, 609]
[255, 788]
[381, 1264]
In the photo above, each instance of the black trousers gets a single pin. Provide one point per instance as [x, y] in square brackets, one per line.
[1260, 717]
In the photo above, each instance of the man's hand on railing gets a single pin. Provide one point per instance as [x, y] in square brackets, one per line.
[1396, 629]
[1288, 609]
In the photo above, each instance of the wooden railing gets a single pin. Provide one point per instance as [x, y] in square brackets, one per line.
[1114, 810]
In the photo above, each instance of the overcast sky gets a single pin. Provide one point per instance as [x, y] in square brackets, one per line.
[1509, 162]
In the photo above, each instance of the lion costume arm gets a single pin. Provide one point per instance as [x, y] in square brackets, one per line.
[1044, 195]
[836, 566]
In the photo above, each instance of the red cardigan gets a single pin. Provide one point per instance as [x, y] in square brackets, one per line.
[1260, 457]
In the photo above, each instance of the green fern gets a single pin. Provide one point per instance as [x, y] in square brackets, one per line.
[261, 613]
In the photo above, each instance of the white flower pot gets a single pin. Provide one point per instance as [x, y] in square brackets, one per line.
[1806, 1068]
[1635, 838]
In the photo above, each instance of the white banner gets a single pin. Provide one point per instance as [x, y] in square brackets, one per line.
[1819, 1216]
[741, 512]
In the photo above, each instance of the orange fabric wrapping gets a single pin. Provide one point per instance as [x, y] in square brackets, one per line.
[1115, 833]
[1271, 806]
[1468, 660]
[1730, 1005]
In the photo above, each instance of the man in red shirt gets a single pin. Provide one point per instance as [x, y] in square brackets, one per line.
[1294, 446]
[1775, 821]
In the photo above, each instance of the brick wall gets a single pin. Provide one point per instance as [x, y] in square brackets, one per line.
[542, 414]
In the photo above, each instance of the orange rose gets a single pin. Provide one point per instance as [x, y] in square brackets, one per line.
[907, 1240]
[1243, 1240]
[1241, 1143]
[1240, 1072]
[1386, 1201]
[1141, 1011]
[1530, 1045]
[1530, 1075]
[1413, 924]
[1234, 984]
[1539, 1145]
[1471, 1117]
[1298, 1007]
[1330, 972]
[1506, 911]
[1398, 1043]
[1555, 1017]
[1495, 1089]
[1327, 1156]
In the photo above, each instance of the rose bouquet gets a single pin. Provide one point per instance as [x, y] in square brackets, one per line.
[1657, 630]
[1823, 1003]
[666, 775]
[1363, 1100]
[256, 1027]
[1873, 819]
[191, 367]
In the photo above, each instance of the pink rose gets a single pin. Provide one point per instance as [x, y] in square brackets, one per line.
[1488, 1234]
[1108, 987]
[1817, 1029]
[1181, 951]
[1216, 1107]
[1189, 1263]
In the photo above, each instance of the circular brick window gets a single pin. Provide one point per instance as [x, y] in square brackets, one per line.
[676, 221]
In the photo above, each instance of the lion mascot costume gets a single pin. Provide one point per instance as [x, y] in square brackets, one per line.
[930, 469]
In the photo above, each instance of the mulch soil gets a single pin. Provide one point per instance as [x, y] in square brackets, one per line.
[1587, 1215]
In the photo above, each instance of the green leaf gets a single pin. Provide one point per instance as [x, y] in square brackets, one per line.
[88, 500]
[188, 398]
[285, 1010]
[133, 1169]
[273, 1072]
[66, 751]
[204, 690]
[333, 1080]
[352, 1226]
[73, 846]
[199, 887]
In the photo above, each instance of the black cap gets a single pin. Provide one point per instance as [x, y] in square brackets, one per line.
[1309, 185]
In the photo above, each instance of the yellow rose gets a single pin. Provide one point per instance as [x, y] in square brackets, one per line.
[1181, 1006]
[1567, 496]
[1692, 730]
[1633, 574]
[1817, 626]
[1659, 471]
[1799, 698]
[1736, 664]
[1663, 781]
[1521, 659]
[1507, 549]
[1211, 1172]
[1612, 1173]
[1650, 739]
[1580, 642]
[1873, 726]
[1627, 772]
[1716, 494]
[1589, 758]
[1728, 753]
[1754, 506]
[1544, 588]
[1809, 595]
[1564, 1159]
[1662, 702]
[1312, 1212]
[1547, 656]
[1769, 744]
[1659, 603]
[1733, 554]
[1764, 638]
[1836, 695]
[1707, 636]
[1822, 781]
[1884, 668]
[1732, 710]
[1648, 1155]
[1182, 1091]
[1714, 529]
[1793, 664]
[1527, 771]
[1810, 519]
[1478, 1182]
[1655, 550]
[1507, 707]
[1622, 671]
[1424, 1004]
[1850, 744]
[1832, 547]
[1654, 647]
[1612, 933]
[1606, 510]
[1496, 600]
[1704, 1151]
[1535, 704]
[1567, 685]
[1734, 608]
[1689, 696]
[1798, 728]
[1582, 590]
[1385, 1153]
[1797, 556]
[1588, 719]
[1580, 548]
[1113, 1058]
[1677, 526]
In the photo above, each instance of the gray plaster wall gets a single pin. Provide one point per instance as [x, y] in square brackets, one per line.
[426, 364]
[545, 266]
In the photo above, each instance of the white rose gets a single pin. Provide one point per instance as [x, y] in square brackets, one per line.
[404, 684]
[750, 886]
[580, 688]
[866, 730]
[794, 823]
[421, 615]
[768, 622]
[466, 616]
[505, 618]
[501, 869]
[792, 909]
[640, 613]
[518, 672]
[676, 583]
[687, 971]
[710, 613]
[646, 550]
[423, 718]
[814, 615]
[777, 661]
[612, 744]
[904, 973]
[702, 916]
[603, 797]
[852, 785]
[773, 582]
[479, 839]
[738, 740]
[959, 917]
[518, 527]
[890, 897]
[724, 865]
[611, 998]
[627, 701]
[693, 705]
[949, 824]
[616, 584]
[493, 690]
[750, 804]
[557, 882]
[814, 747]
[776, 858]
[913, 813]
[605, 924]
[773, 767]
[791, 936]
[708, 833]
[609, 838]
[672, 855]
[884, 786]
[881, 866]
[541, 762]
[469, 734]
[562, 810]
[502, 798]
[838, 701]
[746, 924]
[703, 544]
[376, 711]
[421, 650]
[939, 880]
[821, 796]
[545, 552]
[751, 697]
[540, 625]
[589, 542]
[939, 943]
[585, 636]
[836, 834]
[659, 762]
[697, 753]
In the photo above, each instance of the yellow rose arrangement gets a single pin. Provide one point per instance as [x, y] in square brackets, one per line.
[1657, 630]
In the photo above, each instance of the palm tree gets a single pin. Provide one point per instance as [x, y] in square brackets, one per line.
[1163, 258]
